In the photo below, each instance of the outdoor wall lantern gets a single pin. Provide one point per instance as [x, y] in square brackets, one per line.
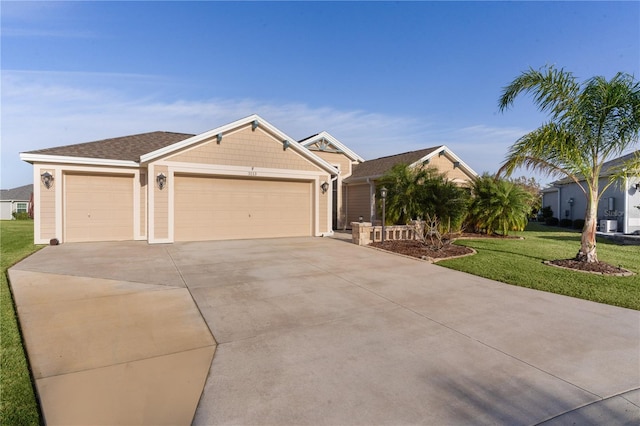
[637, 186]
[219, 138]
[47, 179]
[383, 194]
[324, 187]
[254, 124]
[161, 180]
[570, 201]
[285, 145]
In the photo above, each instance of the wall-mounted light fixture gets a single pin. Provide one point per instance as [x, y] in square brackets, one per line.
[383, 194]
[219, 138]
[570, 201]
[47, 179]
[254, 124]
[324, 187]
[161, 180]
[637, 186]
[285, 145]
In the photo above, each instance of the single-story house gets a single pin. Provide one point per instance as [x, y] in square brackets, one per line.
[15, 200]
[360, 186]
[619, 207]
[246, 179]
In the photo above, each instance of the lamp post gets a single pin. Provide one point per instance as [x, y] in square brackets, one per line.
[383, 194]
[570, 208]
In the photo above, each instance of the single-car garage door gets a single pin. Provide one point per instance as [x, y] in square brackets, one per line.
[208, 208]
[98, 207]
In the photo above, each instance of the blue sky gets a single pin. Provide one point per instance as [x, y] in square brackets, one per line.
[382, 77]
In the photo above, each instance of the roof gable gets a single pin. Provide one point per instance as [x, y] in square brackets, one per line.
[219, 132]
[325, 142]
[374, 169]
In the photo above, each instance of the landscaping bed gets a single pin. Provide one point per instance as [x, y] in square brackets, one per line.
[416, 249]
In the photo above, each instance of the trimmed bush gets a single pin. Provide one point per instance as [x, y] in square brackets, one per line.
[551, 221]
[578, 224]
[566, 223]
[20, 216]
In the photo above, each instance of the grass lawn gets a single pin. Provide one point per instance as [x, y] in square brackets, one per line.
[519, 262]
[17, 400]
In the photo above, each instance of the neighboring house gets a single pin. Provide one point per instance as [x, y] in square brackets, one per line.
[15, 200]
[619, 207]
[360, 187]
[246, 179]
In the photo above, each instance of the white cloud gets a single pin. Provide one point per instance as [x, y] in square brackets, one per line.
[41, 110]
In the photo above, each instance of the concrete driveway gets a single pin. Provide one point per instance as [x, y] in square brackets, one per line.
[319, 331]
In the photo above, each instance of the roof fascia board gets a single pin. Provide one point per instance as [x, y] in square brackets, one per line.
[231, 126]
[43, 158]
[451, 154]
[326, 135]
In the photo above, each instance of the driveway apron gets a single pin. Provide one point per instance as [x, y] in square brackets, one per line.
[320, 331]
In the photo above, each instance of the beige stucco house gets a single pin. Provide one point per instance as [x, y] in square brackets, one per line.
[246, 179]
[360, 187]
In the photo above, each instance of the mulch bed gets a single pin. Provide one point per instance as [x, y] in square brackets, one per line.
[417, 249]
[595, 267]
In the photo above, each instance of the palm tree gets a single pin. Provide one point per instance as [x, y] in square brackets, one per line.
[589, 124]
[403, 185]
[499, 205]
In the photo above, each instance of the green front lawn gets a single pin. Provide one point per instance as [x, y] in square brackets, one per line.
[17, 400]
[519, 262]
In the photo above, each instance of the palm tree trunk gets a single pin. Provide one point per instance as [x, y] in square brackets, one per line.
[587, 251]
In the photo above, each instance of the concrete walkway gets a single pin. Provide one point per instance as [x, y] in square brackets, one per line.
[319, 331]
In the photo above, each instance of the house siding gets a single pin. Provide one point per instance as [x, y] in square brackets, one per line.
[161, 205]
[444, 165]
[358, 203]
[143, 205]
[47, 208]
[245, 147]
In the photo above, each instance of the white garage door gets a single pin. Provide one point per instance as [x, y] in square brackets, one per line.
[98, 208]
[208, 208]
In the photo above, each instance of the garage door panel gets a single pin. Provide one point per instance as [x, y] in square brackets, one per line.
[98, 208]
[208, 208]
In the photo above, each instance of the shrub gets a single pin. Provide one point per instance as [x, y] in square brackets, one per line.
[547, 212]
[551, 221]
[20, 215]
[578, 224]
[565, 223]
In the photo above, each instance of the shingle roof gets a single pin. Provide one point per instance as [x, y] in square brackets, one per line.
[128, 148]
[606, 167]
[379, 166]
[21, 193]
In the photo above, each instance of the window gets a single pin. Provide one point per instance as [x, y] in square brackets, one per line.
[21, 207]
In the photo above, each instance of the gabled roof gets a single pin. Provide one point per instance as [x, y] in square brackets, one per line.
[21, 193]
[131, 151]
[252, 119]
[607, 168]
[338, 146]
[373, 169]
[379, 166]
[126, 148]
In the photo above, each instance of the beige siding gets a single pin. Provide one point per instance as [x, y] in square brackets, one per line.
[143, 204]
[214, 208]
[47, 210]
[160, 204]
[98, 207]
[246, 148]
[334, 158]
[445, 165]
[358, 203]
[324, 213]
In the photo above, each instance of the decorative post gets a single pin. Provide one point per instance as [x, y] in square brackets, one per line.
[383, 194]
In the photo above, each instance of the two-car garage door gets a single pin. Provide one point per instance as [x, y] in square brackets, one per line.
[214, 208]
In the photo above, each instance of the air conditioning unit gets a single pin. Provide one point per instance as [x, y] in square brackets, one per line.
[608, 225]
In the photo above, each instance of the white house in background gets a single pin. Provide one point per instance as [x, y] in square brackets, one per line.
[619, 207]
[14, 200]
